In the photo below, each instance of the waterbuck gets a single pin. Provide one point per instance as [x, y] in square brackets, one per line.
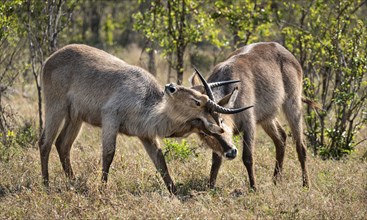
[271, 80]
[85, 84]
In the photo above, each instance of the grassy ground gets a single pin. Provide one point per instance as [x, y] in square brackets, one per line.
[136, 191]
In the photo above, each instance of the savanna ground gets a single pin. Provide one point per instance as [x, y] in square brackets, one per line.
[136, 191]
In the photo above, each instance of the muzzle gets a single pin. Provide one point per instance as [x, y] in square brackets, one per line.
[231, 154]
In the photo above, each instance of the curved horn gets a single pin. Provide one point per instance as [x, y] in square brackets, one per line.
[209, 92]
[222, 83]
[217, 108]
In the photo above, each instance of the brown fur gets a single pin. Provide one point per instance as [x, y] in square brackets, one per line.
[84, 84]
[271, 80]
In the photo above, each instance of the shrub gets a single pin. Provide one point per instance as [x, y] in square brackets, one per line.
[15, 141]
[329, 40]
[174, 150]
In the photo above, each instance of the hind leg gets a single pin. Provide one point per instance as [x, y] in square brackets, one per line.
[53, 121]
[292, 110]
[64, 142]
[278, 135]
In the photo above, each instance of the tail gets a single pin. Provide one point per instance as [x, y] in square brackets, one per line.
[312, 104]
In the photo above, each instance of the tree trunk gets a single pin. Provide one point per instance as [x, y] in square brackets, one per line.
[169, 72]
[151, 62]
[39, 107]
[85, 23]
[181, 44]
[2, 122]
[236, 39]
[180, 65]
[95, 21]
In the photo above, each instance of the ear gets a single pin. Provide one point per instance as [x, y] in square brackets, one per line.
[196, 84]
[229, 100]
[194, 80]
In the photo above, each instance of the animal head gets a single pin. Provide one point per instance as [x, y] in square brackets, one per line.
[187, 104]
[214, 140]
[204, 114]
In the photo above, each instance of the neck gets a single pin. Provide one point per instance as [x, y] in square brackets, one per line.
[163, 121]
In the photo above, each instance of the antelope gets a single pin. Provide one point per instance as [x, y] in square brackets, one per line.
[271, 80]
[85, 84]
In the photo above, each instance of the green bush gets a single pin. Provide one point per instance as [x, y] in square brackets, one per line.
[329, 40]
[15, 141]
[26, 136]
[174, 150]
[8, 147]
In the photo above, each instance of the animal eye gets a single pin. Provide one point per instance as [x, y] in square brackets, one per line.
[197, 102]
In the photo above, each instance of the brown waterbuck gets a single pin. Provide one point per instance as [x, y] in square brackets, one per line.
[271, 80]
[85, 84]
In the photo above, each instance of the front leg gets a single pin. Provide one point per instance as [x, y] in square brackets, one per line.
[216, 163]
[156, 155]
[247, 156]
[109, 134]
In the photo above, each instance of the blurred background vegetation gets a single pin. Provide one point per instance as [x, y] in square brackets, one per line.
[329, 38]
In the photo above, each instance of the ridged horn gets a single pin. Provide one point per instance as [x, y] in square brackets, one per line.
[222, 83]
[217, 108]
[211, 104]
[209, 92]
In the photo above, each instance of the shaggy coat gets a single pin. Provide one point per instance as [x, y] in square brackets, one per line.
[85, 84]
[271, 80]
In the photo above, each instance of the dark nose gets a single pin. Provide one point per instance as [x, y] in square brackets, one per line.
[231, 154]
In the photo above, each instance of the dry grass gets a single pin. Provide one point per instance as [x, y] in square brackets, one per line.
[135, 190]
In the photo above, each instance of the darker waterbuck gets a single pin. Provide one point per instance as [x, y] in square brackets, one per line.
[271, 80]
[85, 84]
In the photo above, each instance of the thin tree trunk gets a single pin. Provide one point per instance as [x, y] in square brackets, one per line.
[85, 25]
[169, 72]
[33, 46]
[39, 93]
[151, 63]
[181, 44]
[180, 66]
[2, 122]
[236, 39]
[95, 21]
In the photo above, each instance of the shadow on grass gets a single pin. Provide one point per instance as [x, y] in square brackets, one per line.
[78, 185]
[185, 190]
[196, 184]
[3, 191]
[193, 188]
[200, 186]
[9, 190]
